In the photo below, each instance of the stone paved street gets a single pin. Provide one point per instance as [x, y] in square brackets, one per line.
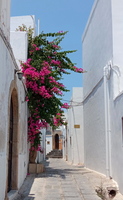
[62, 181]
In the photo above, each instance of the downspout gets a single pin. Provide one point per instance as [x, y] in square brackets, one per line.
[107, 71]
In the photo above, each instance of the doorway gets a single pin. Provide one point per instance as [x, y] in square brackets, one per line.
[10, 148]
[56, 141]
[12, 178]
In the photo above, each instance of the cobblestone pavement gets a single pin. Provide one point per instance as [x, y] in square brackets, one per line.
[62, 181]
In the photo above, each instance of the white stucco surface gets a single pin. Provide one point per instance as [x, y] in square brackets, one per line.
[11, 86]
[28, 20]
[19, 43]
[75, 140]
[102, 42]
[49, 146]
[41, 155]
[5, 17]
[97, 44]
[8, 80]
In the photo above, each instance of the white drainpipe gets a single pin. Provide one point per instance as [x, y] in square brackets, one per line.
[107, 70]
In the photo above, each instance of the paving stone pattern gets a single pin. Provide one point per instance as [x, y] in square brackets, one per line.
[61, 181]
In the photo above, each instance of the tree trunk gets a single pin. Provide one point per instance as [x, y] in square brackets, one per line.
[32, 156]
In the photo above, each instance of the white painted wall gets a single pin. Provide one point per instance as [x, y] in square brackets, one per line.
[28, 20]
[102, 42]
[5, 17]
[8, 82]
[117, 15]
[18, 39]
[23, 129]
[97, 44]
[41, 155]
[75, 140]
[19, 43]
[64, 140]
[48, 143]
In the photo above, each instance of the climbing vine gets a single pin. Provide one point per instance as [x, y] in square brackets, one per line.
[43, 72]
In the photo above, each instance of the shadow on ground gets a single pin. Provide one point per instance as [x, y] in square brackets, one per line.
[50, 171]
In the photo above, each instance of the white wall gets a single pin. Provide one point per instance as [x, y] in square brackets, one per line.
[117, 140]
[9, 81]
[97, 51]
[28, 20]
[117, 94]
[102, 42]
[97, 44]
[41, 155]
[48, 143]
[5, 17]
[19, 39]
[75, 140]
[19, 43]
[117, 15]
[64, 141]
[94, 131]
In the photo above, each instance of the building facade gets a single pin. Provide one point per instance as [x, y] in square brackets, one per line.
[54, 139]
[103, 89]
[48, 140]
[13, 114]
[73, 143]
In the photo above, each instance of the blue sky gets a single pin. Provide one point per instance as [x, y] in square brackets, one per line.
[60, 15]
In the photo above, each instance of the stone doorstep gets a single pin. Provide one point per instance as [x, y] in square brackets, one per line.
[36, 168]
[12, 194]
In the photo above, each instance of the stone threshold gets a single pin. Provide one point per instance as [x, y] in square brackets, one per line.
[12, 194]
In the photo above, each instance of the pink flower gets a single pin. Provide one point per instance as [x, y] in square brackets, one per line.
[26, 99]
[55, 46]
[80, 70]
[65, 105]
[55, 62]
[37, 48]
[61, 32]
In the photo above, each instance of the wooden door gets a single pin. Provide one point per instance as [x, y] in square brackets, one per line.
[56, 141]
[10, 148]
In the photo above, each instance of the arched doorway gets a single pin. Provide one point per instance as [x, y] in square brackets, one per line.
[12, 178]
[56, 141]
[10, 147]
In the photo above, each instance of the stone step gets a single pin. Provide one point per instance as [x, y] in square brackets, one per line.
[55, 153]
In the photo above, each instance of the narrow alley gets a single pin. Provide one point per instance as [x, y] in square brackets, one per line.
[62, 181]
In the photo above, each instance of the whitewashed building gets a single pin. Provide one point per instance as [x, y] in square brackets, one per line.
[103, 89]
[42, 155]
[13, 111]
[19, 42]
[73, 141]
[48, 140]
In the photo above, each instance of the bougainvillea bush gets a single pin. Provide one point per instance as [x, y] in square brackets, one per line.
[43, 72]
